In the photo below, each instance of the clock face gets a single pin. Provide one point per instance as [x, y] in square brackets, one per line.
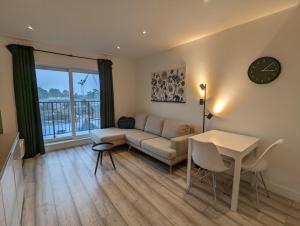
[264, 70]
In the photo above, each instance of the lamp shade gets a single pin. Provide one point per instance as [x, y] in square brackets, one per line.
[202, 86]
[210, 115]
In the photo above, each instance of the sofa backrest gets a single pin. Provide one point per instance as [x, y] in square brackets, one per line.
[174, 128]
[140, 120]
[154, 124]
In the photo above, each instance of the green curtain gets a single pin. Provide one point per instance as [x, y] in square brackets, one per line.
[107, 112]
[26, 97]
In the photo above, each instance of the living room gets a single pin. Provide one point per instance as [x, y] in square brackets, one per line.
[172, 114]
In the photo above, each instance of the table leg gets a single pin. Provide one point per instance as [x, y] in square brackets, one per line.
[188, 176]
[236, 184]
[97, 163]
[112, 160]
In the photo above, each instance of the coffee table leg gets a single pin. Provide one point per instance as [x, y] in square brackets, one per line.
[101, 158]
[112, 160]
[97, 162]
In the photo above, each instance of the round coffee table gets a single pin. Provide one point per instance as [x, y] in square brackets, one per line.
[100, 148]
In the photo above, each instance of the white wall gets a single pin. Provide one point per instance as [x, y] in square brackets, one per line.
[123, 77]
[221, 60]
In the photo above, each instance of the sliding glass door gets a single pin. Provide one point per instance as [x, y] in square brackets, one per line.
[86, 102]
[69, 102]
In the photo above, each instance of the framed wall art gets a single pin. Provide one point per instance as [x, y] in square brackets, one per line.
[168, 86]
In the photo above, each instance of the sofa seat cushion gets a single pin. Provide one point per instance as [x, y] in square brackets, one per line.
[111, 135]
[160, 146]
[137, 138]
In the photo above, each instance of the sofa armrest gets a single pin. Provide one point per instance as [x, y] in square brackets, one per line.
[180, 144]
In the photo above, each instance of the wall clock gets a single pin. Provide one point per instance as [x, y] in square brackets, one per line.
[264, 70]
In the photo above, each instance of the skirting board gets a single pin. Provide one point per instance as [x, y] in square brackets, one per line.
[284, 191]
[66, 144]
[276, 188]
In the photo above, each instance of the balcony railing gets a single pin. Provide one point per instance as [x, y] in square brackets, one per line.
[56, 117]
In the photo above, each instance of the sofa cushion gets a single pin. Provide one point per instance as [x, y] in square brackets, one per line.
[137, 138]
[154, 124]
[111, 135]
[140, 120]
[159, 146]
[174, 128]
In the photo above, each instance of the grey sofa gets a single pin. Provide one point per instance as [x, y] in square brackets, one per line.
[163, 139]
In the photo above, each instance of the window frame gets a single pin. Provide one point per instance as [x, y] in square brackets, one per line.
[70, 72]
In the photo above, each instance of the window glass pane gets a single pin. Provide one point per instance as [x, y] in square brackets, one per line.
[54, 101]
[87, 101]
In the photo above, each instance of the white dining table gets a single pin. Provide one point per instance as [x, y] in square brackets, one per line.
[228, 144]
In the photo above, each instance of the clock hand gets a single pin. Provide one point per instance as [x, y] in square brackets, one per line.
[266, 68]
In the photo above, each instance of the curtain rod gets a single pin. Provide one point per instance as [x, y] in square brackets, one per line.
[64, 54]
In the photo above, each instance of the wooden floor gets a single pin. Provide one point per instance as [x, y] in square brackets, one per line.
[61, 189]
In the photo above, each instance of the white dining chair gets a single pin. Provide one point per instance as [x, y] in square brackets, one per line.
[207, 157]
[257, 165]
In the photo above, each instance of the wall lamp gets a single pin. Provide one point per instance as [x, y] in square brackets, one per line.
[202, 101]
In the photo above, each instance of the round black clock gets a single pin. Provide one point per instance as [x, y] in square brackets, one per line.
[264, 70]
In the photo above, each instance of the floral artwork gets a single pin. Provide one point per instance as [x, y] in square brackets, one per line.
[169, 86]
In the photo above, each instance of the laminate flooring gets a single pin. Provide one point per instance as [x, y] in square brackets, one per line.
[61, 189]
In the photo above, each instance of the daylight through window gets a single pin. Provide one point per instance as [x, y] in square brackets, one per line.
[69, 102]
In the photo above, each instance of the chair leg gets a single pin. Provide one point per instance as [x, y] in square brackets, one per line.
[198, 171]
[256, 190]
[203, 173]
[170, 169]
[214, 184]
[129, 148]
[263, 181]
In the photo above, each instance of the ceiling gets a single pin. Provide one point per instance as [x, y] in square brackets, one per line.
[102, 25]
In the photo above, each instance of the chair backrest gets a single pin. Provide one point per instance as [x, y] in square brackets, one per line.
[262, 157]
[206, 156]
